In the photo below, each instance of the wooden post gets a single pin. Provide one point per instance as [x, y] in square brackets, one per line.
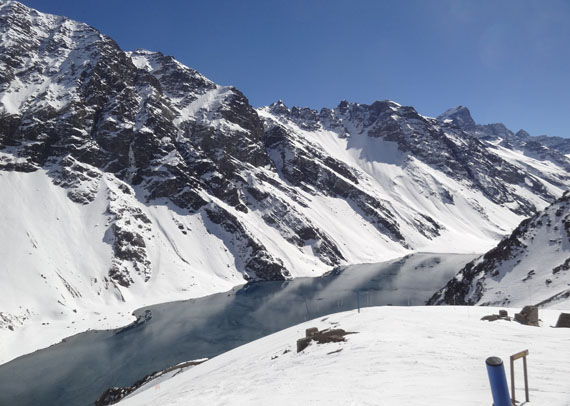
[514, 357]
[525, 380]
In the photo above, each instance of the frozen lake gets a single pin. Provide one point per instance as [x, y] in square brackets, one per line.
[78, 370]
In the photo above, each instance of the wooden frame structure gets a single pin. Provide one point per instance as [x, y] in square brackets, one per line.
[514, 357]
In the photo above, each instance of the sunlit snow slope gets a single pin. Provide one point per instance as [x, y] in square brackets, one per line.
[398, 356]
[531, 266]
[441, 198]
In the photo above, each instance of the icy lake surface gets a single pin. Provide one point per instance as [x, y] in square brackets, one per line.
[77, 371]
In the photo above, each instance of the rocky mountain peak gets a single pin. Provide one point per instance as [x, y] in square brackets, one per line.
[343, 106]
[16, 8]
[306, 117]
[460, 116]
[279, 107]
[141, 117]
[498, 130]
[522, 134]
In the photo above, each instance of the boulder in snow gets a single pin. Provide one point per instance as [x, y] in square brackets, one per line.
[563, 320]
[528, 316]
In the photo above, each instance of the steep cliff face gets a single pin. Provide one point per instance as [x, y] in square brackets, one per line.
[128, 177]
[75, 103]
[532, 265]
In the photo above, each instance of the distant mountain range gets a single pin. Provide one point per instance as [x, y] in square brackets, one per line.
[128, 177]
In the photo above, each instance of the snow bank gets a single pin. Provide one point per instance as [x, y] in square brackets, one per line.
[400, 356]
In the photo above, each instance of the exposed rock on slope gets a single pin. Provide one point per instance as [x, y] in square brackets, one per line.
[75, 103]
[545, 148]
[381, 158]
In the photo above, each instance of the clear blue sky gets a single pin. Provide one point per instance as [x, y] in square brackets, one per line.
[506, 60]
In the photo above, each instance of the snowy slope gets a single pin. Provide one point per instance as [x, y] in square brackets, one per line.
[531, 266]
[545, 148]
[56, 255]
[128, 179]
[443, 189]
[398, 356]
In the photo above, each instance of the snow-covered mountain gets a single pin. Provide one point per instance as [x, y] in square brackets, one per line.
[128, 178]
[543, 147]
[431, 181]
[531, 266]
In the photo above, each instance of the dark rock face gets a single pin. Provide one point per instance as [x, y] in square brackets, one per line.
[563, 320]
[555, 143]
[459, 116]
[74, 176]
[542, 147]
[454, 150]
[458, 290]
[114, 395]
[307, 168]
[129, 121]
[257, 262]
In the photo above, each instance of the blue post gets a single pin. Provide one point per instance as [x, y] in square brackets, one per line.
[358, 300]
[498, 381]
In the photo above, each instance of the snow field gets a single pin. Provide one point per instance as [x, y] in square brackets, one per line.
[56, 255]
[399, 356]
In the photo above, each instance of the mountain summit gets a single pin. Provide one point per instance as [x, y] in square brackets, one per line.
[460, 116]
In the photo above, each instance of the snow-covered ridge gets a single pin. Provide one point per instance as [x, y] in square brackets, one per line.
[57, 44]
[431, 179]
[544, 147]
[414, 355]
[532, 265]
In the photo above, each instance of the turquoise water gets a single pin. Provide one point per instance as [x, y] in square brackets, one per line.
[76, 372]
